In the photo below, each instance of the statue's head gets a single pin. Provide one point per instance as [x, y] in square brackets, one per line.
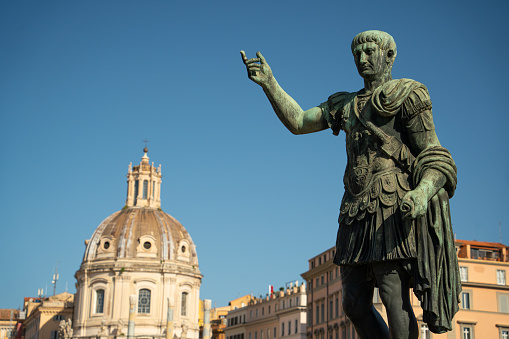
[374, 53]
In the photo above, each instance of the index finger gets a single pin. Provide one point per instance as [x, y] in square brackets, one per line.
[244, 57]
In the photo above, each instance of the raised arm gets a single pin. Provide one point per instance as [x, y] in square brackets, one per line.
[288, 110]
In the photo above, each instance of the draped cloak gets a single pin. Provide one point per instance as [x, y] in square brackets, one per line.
[371, 226]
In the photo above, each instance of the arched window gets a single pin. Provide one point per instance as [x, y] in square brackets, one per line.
[144, 301]
[145, 189]
[99, 301]
[183, 306]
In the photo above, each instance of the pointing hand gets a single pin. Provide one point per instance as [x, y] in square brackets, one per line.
[258, 69]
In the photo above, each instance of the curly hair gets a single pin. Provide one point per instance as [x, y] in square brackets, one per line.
[384, 40]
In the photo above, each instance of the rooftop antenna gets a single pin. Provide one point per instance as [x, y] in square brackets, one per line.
[54, 281]
[500, 230]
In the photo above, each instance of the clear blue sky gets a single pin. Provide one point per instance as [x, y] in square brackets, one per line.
[82, 83]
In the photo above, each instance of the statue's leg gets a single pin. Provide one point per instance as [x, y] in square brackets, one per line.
[394, 285]
[358, 284]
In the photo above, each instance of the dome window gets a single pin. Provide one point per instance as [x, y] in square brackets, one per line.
[105, 247]
[183, 250]
[146, 247]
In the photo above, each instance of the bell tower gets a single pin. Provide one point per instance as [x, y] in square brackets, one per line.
[144, 184]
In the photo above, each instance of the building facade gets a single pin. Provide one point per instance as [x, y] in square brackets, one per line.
[8, 321]
[140, 268]
[43, 316]
[279, 315]
[484, 300]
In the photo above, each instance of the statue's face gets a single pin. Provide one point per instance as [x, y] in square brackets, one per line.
[370, 60]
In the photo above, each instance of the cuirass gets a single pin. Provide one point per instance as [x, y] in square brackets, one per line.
[365, 157]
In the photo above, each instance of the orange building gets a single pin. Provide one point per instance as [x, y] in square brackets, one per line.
[43, 317]
[279, 315]
[484, 300]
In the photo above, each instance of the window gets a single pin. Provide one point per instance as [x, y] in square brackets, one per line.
[425, 334]
[283, 304]
[330, 309]
[317, 314]
[261, 334]
[467, 332]
[251, 314]
[256, 335]
[183, 304]
[337, 272]
[464, 273]
[504, 333]
[268, 333]
[503, 302]
[99, 301]
[465, 300]
[289, 327]
[269, 309]
[274, 331]
[282, 329]
[145, 189]
[263, 310]
[59, 317]
[310, 316]
[297, 301]
[317, 282]
[144, 301]
[321, 280]
[296, 326]
[337, 306]
[54, 334]
[153, 188]
[290, 303]
[322, 311]
[257, 313]
[249, 335]
[501, 277]
[136, 189]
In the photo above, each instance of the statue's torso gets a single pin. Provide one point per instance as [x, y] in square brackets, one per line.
[366, 160]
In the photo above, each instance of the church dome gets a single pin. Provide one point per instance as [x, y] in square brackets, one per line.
[140, 267]
[145, 233]
[141, 229]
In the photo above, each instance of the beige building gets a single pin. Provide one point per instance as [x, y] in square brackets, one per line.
[484, 304]
[8, 321]
[43, 317]
[141, 265]
[280, 315]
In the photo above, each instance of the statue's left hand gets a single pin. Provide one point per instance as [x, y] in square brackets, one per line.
[414, 204]
[258, 69]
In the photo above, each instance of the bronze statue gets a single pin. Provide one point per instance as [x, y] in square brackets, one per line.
[394, 223]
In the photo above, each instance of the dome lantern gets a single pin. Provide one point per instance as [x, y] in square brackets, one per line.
[144, 184]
